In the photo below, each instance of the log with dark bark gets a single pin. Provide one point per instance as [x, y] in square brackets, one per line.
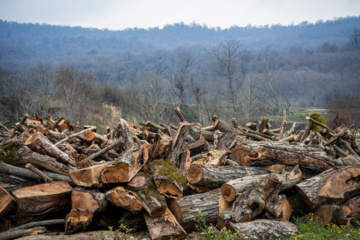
[124, 198]
[264, 229]
[326, 214]
[205, 203]
[334, 186]
[135, 222]
[214, 177]
[89, 176]
[151, 200]
[168, 180]
[39, 143]
[6, 201]
[227, 141]
[84, 204]
[40, 201]
[127, 165]
[164, 227]
[278, 209]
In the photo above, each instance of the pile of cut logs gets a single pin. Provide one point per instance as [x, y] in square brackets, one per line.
[250, 179]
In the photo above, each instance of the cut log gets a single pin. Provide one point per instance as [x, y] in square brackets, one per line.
[354, 205]
[135, 222]
[236, 187]
[326, 214]
[222, 125]
[179, 143]
[227, 141]
[334, 186]
[164, 227]
[264, 229]
[38, 172]
[161, 146]
[6, 202]
[39, 143]
[151, 200]
[49, 198]
[198, 146]
[127, 165]
[124, 198]
[211, 158]
[278, 209]
[168, 180]
[213, 177]
[265, 156]
[205, 203]
[89, 176]
[239, 154]
[87, 135]
[126, 134]
[84, 204]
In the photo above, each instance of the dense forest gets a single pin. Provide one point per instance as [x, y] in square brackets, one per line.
[92, 75]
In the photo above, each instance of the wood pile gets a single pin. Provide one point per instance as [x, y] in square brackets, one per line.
[250, 179]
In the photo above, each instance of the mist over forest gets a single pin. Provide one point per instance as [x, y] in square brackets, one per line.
[91, 75]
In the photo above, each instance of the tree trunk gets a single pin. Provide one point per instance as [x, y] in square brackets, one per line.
[151, 200]
[6, 201]
[39, 143]
[264, 229]
[205, 203]
[127, 165]
[84, 204]
[90, 176]
[164, 227]
[168, 180]
[124, 198]
[215, 176]
[42, 200]
[334, 186]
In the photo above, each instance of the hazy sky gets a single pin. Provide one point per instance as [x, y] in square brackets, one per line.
[121, 14]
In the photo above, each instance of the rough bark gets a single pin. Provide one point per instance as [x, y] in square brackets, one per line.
[206, 203]
[168, 180]
[215, 176]
[124, 198]
[164, 227]
[84, 204]
[42, 200]
[334, 186]
[264, 229]
[179, 143]
[278, 209]
[227, 141]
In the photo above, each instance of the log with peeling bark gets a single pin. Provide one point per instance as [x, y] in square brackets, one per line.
[278, 209]
[326, 214]
[215, 176]
[334, 186]
[264, 229]
[129, 163]
[124, 198]
[227, 141]
[40, 201]
[39, 143]
[168, 180]
[84, 204]
[6, 201]
[151, 200]
[236, 187]
[89, 176]
[211, 158]
[205, 203]
[265, 156]
[164, 227]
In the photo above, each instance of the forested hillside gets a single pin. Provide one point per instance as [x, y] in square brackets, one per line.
[142, 74]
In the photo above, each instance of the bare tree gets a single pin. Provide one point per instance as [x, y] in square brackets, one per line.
[229, 77]
[355, 38]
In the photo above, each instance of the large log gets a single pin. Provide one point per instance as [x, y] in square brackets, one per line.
[326, 214]
[39, 201]
[168, 180]
[213, 177]
[90, 176]
[205, 203]
[334, 186]
[278, 209]
[264, 229]
[151, 200]
[265, 156]
[124, 198]
[84, 204]
[39, 143]
[127, 165]
[354, 205]
[236, 187]
[6, 201]
[164, 227]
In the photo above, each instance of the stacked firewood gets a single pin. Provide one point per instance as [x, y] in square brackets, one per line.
[250, 179]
